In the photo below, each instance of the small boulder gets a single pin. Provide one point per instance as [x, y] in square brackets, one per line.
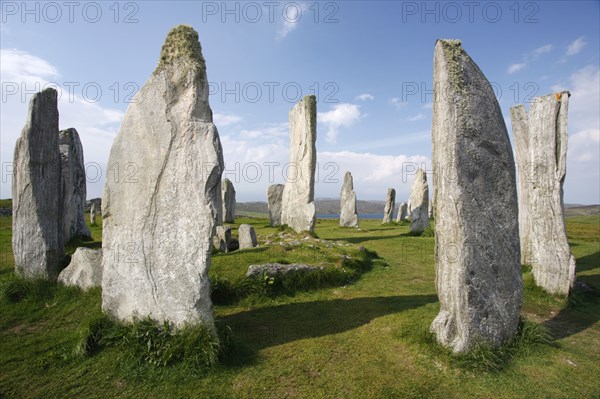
[247, 236]
[85, 269]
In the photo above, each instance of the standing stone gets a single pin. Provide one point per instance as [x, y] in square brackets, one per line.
[37, 224]
[158, 230]
[348, 214]
[430, 210]
[541, 150]
[85, 269]
[228, 198]
[298, 206]
[402, 212]
[93, 214]
[388, 211]
[247, 236]
[419, 203]
[478, 275]
[222, 238]
[274, 197]
[73, 185]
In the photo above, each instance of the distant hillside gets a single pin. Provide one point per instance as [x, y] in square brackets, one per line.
[582, 210]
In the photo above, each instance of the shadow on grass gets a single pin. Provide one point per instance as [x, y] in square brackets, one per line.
[588, 262]
[270, 326]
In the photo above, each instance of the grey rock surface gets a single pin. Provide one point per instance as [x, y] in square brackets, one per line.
[74, 190]
[298, 206]
[478, 273]
[402, 212]
[541, 151]
[93, 214]
[37, 224]
[390, 200]
[228, 198]
[348, 214]
[247, 236]
[274, 198]
[85, 269]
[419, 203]
[278, 269]
[158, 228]
[222, 238]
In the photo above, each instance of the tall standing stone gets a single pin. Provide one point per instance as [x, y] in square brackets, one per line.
[298, 206]
[402, 212]
[388, 211]
[228, 198]
[541, 151]
[348, 214]
[73, 185]
[419, 203]
[157, 234]
[93, 214]
[274, 198]
[37, 224]
[478, 275]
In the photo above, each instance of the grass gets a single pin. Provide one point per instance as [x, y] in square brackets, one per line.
[366, 338]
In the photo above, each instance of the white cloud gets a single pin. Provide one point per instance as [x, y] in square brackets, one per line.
[221, 120]
[365, 97]
[576, 46]
[417, 117]
[343, 114]
[515, 68]
[292, 14]
[541, 50]
[396, 102]
[268, 132]
[584, 120]
[21, 67]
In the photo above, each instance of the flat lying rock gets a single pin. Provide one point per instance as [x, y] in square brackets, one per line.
[247, 236]
[390, 200]
[478, 273]
[274, 198]
[419, 203]
[541, 149]
[348, 214]
[85, 269]
[298, 200]
[37, 224]
[157, 234]
[74, 193]
[278, 269]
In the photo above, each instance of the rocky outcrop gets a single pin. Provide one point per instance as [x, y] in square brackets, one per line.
[228, 198]
[388, 212]
[37, 224]
[274, 197]
[419, 203]
[157, 233]
[348, 214]
[85, 269]
[247, 236]
[298, 206]
[541, 151]
[73, 185]
[478, 274]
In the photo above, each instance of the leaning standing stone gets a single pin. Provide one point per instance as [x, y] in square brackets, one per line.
[37, 224]
[158, 229]
[348, 214]
[419, 203]
[73, 185]
[247, 236]
[274, 197]
[388, 212]
[478, 274]
[298, 206]
[541, 148]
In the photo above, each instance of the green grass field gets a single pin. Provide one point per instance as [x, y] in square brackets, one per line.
[363, 339]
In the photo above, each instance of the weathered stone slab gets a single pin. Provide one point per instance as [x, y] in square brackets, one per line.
[157, 233]
[298, 206]
[247, 236]
[274, 198]
[478, 274]
[228, 198]
[402, 212]
[348, 214]
[93, 214]
[85, 269]
[37, 224]
[222, 238]
[419, 203]
[388, 211]
[541, 150]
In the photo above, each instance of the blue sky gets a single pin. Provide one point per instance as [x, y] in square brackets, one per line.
[369, 62]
